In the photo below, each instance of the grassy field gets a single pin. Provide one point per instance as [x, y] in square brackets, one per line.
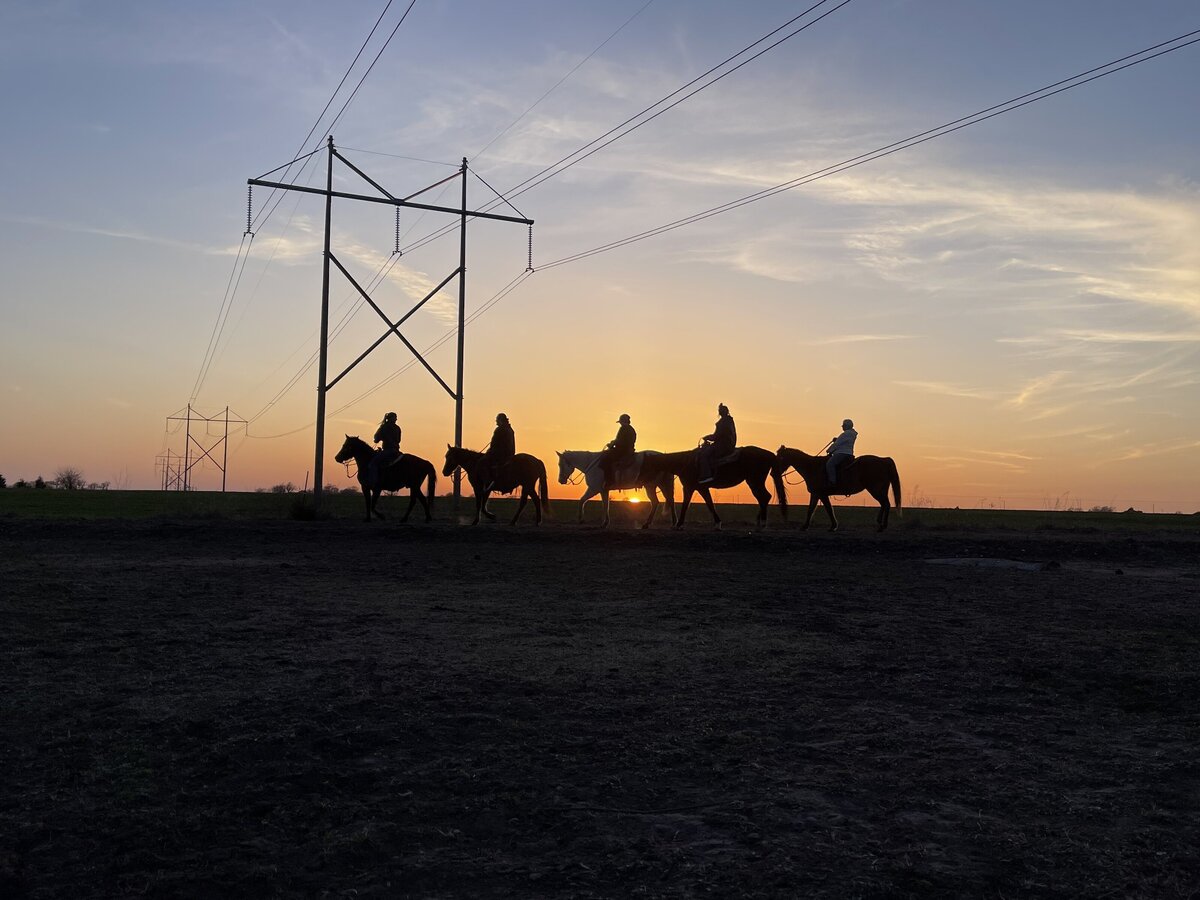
[32, 503]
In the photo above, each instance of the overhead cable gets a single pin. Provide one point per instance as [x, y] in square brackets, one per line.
[616, 133]
[975, 118]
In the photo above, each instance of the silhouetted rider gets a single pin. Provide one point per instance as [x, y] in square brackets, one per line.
[387, 434]
[841, 450]
[501, 450]
[619, 451]
[717, 445]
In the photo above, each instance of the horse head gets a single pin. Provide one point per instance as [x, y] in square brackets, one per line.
[565, 467]
[457, 457]
[348, 448]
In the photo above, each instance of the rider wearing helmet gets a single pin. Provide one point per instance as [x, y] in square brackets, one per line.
[841, 450]
[619, 451]
[717, 445]
[387, 434]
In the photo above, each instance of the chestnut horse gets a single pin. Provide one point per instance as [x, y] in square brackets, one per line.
[748, 464]
[523, 471]
[873, 474]
[409, 471]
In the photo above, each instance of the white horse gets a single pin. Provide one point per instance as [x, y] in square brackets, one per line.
[588, 462]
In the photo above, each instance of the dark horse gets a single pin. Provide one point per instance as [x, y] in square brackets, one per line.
[409, 471]
[524, 471]
[873, 474]
[748, 464]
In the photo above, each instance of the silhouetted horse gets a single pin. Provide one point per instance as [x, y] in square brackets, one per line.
[587, 462]
[748, 464]
[409, 471]
[523, 471]
[873, 474]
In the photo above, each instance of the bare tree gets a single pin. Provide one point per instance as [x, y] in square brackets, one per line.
[69, 479]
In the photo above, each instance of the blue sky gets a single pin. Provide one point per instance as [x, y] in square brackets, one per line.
[1012, 311]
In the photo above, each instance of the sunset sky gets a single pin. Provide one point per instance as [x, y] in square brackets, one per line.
[1011, 311]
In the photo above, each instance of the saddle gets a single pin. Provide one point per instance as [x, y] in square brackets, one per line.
[721, 460]
[844, 465]
[399, 457]
[501, 475]
[627, 474]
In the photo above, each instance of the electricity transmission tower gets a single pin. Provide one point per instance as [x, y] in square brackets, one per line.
[323, 384]
[171, 466]
[182, 476]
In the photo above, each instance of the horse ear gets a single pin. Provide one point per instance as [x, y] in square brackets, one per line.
[559, 454]
[447, 445]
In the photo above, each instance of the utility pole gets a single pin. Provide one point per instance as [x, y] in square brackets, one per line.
[462, 330]
[324, 385]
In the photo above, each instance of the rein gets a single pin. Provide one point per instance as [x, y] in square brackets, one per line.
[583, 472]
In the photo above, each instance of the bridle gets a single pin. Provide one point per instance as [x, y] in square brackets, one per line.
[582, 472]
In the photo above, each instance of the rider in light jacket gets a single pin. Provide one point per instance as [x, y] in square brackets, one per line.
[841, 449]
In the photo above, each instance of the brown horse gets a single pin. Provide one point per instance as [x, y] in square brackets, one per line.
[523, 471]
[409, 471]
[873, 474]
[748, 464]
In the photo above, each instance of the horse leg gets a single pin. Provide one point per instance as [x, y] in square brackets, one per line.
[812, 505]
[885, 507]
[413, 493]
[708, 501]
[652, 494]
[833, 522]
[591, 492]
[604, 500]
[367, 501]
[763, 496]
[375, 502]
[683, 508]
[521, 505]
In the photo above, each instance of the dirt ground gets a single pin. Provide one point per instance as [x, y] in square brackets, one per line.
[222, 708]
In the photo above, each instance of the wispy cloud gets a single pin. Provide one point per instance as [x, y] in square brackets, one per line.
[1162, 450]
[947, 389]
[860, 339]
[977, 460]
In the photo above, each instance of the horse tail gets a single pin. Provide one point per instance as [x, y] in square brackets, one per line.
[543, 492]
[777, 470]
[894, 478]
[778, 467]
[432, 475]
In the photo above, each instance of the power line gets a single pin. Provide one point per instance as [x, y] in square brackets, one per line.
[268, 208]
[1117, 65]
[235, 277]
[560, 82]
[975, 118]
[325, 109]
[612, 134]
[615, 133]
